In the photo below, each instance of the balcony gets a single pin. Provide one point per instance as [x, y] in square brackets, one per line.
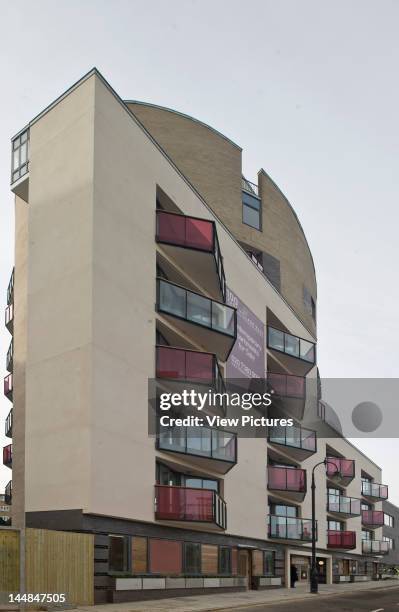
[193, 244]
[10, 288]
[294, 353]
[8, 425]
[344, 540]
[187, 366]
[375, 547]
[209, 449]
[190, 505]
[289, 392]
[7, 455]
[289, 482]
[9, 318]
[8, 387]
[209, 323]
[287, 528]
[341, 469]
[8, 494]
[10, 357]
[374, 491]
[297, 443]
[20, 165]
[372, 518]
[345, 506]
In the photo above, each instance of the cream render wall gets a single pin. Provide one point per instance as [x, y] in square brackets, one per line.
[59, 322]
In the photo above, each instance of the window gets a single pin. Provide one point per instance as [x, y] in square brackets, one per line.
[201, 483]
[390, 541]
[280, 510]
[269, 559]
[20, 156]
[335, 525]
[388, 520]
[118, 553]
[166, 476]
[365, 506]
[367, 535]
[224, 560]
[251, 210]
[192, 558]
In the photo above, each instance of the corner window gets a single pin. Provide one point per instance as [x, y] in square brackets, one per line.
[20, 156]
[192, 558]
[224, 560]
[118, 553]
[251, 210]
[390, 542]
[388, 520]
[269, 562]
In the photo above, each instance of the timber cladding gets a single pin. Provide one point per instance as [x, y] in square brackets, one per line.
[60, 562]
[209, 559]
[9, 561]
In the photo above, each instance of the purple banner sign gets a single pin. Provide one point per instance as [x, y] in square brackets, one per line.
[247, 359]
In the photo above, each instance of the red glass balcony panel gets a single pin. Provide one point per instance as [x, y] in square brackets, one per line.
[185, 231]
[345, 467]
[373, 518]
[286, 385]
[8, 386]
[189, 504]
[287, 479]
[341, 539]
[181, 364]
[7, 455]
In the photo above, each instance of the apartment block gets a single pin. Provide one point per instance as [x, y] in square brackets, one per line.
[142, 252]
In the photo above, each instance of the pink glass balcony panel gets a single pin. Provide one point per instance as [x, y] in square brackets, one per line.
[8, 384]
[346, 467]
[9, 314]
[185, 231]
[372, 517]
[7, 454]
[287, 479]
[341, 539]
[180, 503]
[184, 365]
[295, 386]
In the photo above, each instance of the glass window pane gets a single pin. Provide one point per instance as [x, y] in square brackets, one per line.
[223, 445]
[250, 201]
[199, 441]
[276, 339]
[251, 217]
[24, 154]
[223, 318]
[292, 345]
[210, 484]
[307, 351]
[198, 309]
[192, 558]
[118, 553]
[15, 160]
[172, 299]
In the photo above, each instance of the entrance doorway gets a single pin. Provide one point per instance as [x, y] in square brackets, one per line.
[321, 565]
[245, 565]
[302, 565]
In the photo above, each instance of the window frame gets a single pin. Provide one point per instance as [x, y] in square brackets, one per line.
[267, 553]
[187, 572]
[126, 553]
[248, 205]
[222, 571]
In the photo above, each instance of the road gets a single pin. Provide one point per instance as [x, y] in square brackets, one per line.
[368, 601]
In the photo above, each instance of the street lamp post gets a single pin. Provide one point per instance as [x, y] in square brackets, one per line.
[314, 576]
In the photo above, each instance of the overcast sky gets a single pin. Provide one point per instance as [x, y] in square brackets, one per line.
[308, 89]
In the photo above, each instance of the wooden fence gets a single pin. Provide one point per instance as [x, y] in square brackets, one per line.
[55, 562]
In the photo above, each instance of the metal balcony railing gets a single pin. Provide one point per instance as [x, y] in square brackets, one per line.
[8, 493]
[8, 386]
[9, 317]
[287, 528]
[199, 442]
[294, 437]
[374, 489]
[249, 187]
[189, 504]
[10, 357]
[343, 505]
[195, 308]
[8, 424]
[288, 344]
[10, 288]
[375, 547]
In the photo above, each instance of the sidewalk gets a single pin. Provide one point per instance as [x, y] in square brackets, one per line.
[229, 601]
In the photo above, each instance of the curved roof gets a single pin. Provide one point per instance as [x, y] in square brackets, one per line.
[175, 112]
